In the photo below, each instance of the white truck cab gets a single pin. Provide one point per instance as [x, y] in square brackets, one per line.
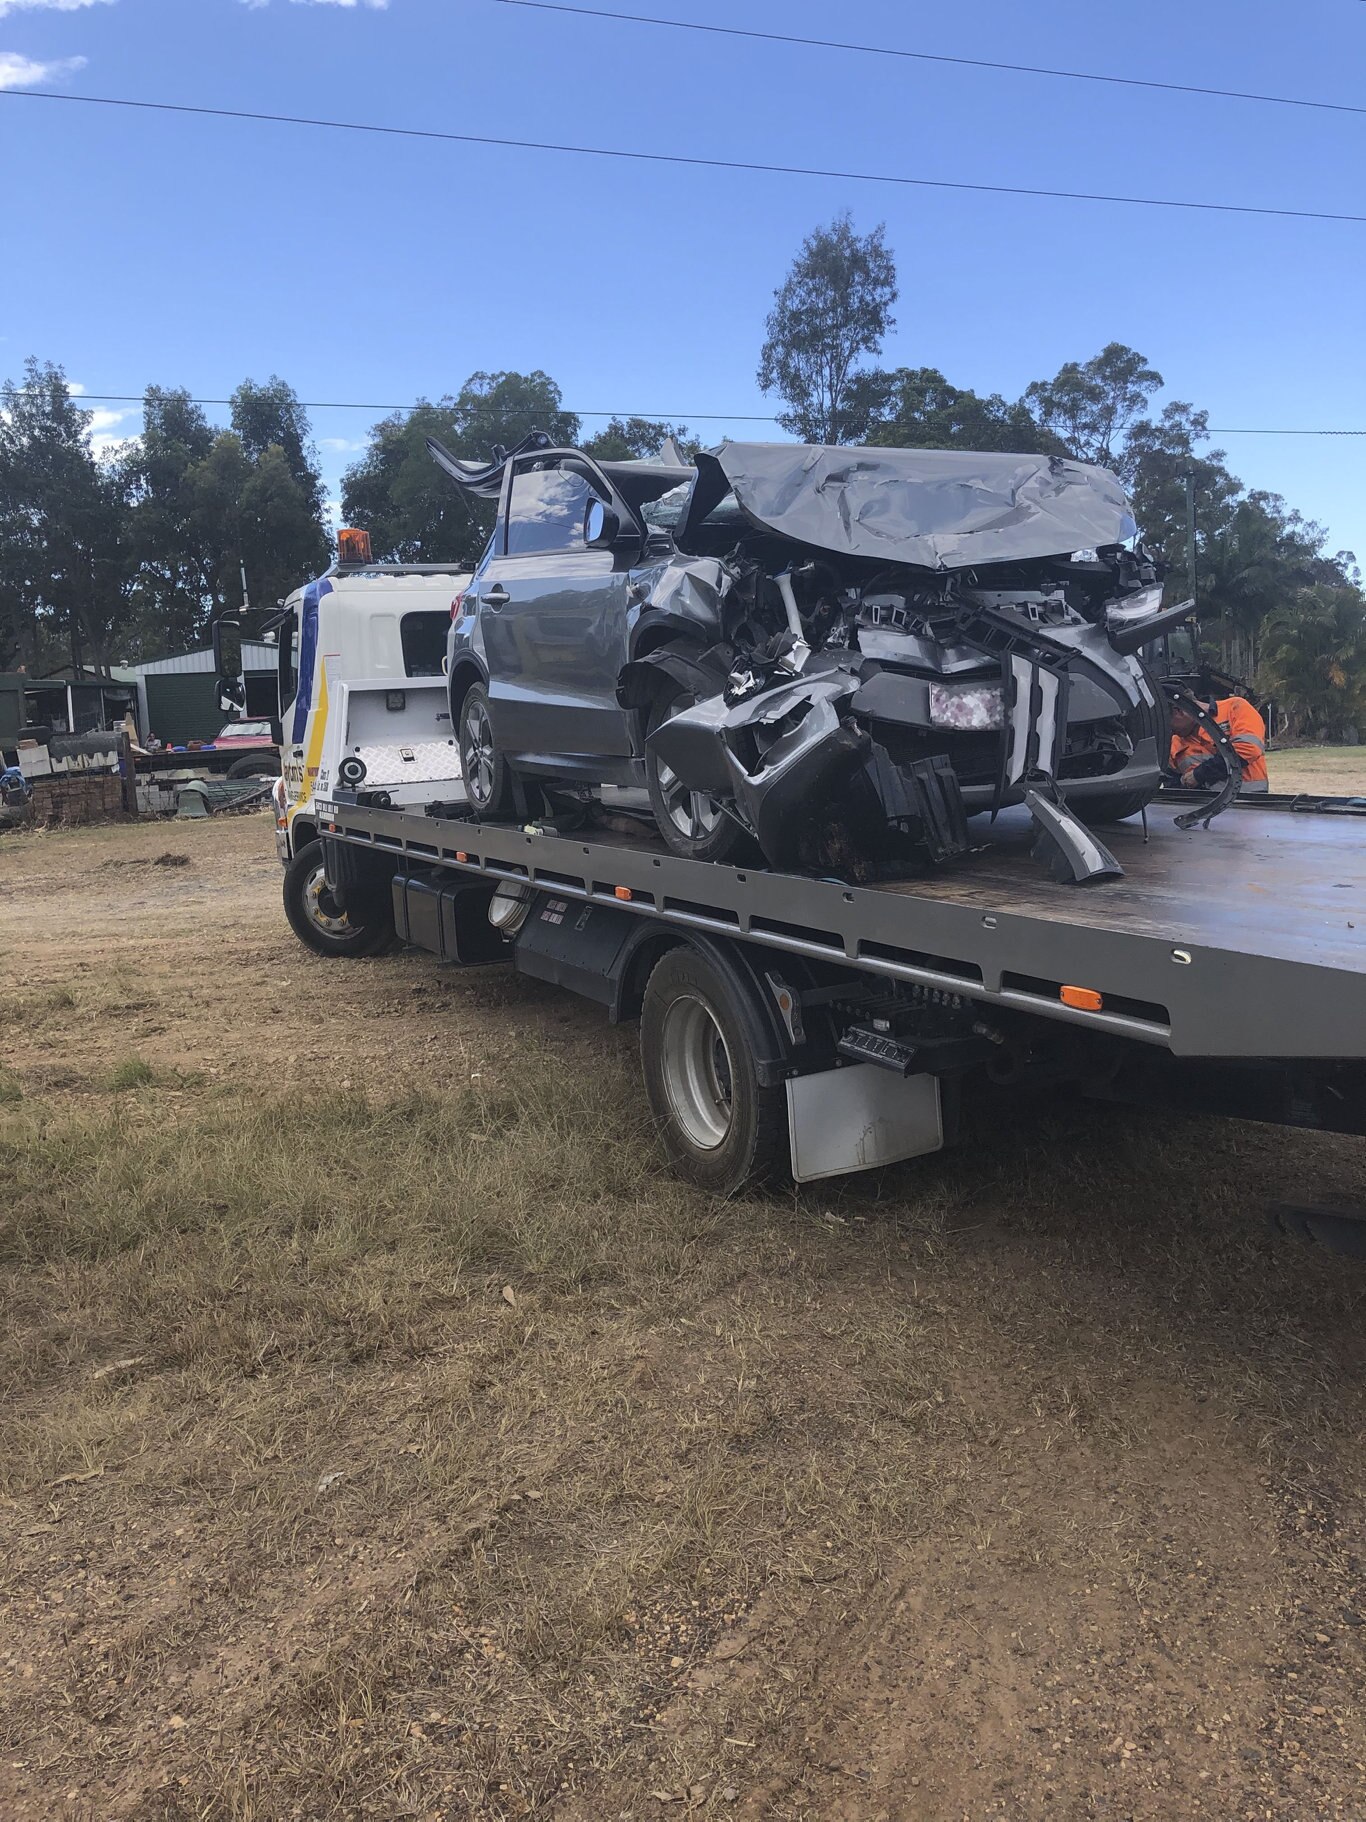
[363, 703]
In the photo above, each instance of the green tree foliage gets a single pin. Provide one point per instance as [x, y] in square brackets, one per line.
[64, 558]
[281, 539]
[628, 439]
[1091, 406]
[399, 495]
[1253, 555]
[204, 505]
[917, 408]
[833, 309]
[1314, 660]
[253, 512]
[133, 554]
[174, 552]
[1159, 453]
[269, 416]
[1250, 564]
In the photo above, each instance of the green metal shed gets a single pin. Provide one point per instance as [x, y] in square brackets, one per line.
[177, 698]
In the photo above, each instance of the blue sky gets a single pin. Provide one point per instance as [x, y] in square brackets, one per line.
[141, 248]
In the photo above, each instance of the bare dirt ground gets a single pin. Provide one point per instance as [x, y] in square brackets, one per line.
[384, 1435]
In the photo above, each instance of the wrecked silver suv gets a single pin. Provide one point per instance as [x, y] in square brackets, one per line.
[836, 655]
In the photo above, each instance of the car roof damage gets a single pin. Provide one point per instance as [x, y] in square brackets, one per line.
[936, 508]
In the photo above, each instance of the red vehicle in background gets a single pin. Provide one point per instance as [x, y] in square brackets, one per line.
[260, 755]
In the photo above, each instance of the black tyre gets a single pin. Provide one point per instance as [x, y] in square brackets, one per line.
[255, 765]
[488, 779]
[693, 824]
[722, 1129]
[318, 921]
[1111, 806]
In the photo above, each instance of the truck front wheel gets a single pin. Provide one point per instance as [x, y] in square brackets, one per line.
[318, 920]
[722, 1128]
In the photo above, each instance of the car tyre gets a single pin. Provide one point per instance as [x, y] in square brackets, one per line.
[693, 824]
[318, 921]
[721, 1127]
[487, 775]
[1110, 806]
[255, 765]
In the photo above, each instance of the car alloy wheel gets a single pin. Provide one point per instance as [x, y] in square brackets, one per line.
[693, 813]
[477, 753]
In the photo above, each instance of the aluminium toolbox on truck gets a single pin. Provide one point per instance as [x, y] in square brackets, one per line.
[1226, 971]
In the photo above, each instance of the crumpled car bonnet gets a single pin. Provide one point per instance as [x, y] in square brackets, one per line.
[935, 508]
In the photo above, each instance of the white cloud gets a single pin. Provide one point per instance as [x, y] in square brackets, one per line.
[341, 445]
[100, 431]
[104, 448]
[18, 72]
[375, 6]
[52, 6]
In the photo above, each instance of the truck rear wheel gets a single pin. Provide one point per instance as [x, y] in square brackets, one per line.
[318, 920]
[722, 1128]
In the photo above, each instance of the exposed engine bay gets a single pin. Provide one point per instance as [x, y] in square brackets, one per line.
[900, 638]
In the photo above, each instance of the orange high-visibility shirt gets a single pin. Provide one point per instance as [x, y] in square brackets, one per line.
[1244, 727]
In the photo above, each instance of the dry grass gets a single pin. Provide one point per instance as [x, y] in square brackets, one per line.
[423, 1450]
[1336, 771]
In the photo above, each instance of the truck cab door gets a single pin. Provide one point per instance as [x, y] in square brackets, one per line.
[304, 720]
[553, 614]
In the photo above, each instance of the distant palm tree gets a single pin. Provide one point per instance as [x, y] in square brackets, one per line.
[1314, 660]
[1247, 571]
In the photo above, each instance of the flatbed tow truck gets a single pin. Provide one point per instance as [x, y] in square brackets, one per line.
[799, 1027]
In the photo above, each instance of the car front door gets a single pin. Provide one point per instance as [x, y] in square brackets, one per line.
[553, 617]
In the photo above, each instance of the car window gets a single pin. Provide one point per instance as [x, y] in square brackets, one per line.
[245, 730]
[545, 511]
[423, 637]
[667, 511]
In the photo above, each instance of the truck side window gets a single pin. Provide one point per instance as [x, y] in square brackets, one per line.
[423, 638]
[545, 512]
[287, 675]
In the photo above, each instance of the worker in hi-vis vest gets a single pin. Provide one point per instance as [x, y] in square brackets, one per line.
[1200, 764]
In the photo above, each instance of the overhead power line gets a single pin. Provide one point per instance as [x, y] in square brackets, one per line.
[679, 158]
[669, 417]
[1217, 430]
[672, 417]
[971, 63]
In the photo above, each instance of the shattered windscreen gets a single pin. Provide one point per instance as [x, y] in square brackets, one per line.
[936, 509]
[666, 512]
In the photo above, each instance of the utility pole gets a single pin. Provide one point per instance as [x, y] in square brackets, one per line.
[1189, 478]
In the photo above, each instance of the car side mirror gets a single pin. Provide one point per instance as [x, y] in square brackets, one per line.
[601, 526]
[277, 731]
